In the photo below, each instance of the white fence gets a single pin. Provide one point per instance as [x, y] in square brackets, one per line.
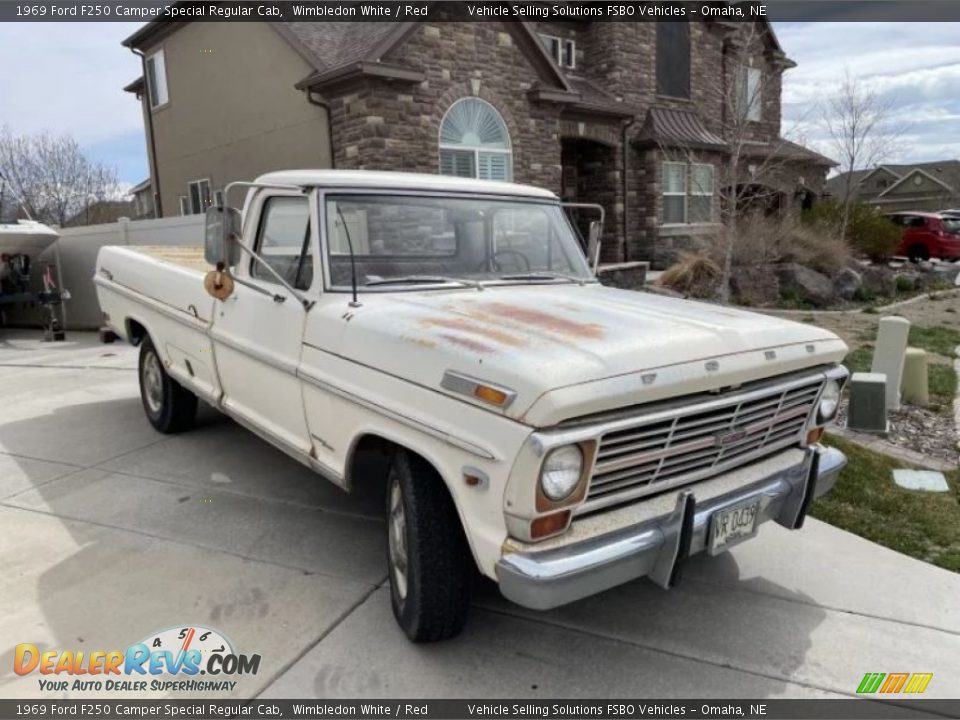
[77, 249]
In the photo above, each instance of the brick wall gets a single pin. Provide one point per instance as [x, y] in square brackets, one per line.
[379, 124]
[391, 126]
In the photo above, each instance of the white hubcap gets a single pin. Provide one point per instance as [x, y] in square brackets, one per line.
[152, 380]
[397, 538]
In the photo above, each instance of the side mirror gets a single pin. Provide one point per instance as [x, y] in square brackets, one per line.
[593, 244]
[222, 232]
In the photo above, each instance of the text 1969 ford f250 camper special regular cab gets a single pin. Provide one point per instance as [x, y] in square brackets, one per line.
[448, 336]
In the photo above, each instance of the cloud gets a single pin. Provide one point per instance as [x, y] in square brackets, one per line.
[68, 78]
[914, 65]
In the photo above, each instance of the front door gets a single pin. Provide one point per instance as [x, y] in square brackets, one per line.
[258, 331]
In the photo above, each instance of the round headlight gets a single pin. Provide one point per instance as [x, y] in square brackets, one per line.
[829, 401]
[561, 472]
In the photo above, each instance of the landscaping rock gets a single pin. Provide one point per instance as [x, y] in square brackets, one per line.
[756, 286]
[847, 283]
[945, 272]
[805, 283]
[878, 281]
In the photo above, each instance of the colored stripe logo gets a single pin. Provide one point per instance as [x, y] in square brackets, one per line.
[913, 683]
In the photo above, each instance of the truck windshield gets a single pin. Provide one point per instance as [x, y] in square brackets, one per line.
[405, 242]
[952, 225]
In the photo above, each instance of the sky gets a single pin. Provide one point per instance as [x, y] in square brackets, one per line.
[68, 78]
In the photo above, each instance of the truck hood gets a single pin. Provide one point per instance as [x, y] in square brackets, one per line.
[591, 342]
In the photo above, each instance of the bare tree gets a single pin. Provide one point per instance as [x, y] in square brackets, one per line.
[52, 176]
[750, 158]
[862, 129]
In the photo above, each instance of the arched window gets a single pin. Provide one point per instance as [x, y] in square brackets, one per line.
[474, 142]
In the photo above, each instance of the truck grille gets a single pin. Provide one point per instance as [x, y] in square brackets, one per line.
[697, 441]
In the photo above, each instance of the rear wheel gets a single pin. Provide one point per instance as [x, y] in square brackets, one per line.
[427, 555]
[918, 253]
[170, 407]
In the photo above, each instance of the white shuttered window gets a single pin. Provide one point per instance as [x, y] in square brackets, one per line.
[474, 142]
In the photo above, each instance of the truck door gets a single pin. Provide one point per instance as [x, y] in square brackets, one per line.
[258, 331]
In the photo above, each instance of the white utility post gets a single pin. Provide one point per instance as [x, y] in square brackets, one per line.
[888, 357]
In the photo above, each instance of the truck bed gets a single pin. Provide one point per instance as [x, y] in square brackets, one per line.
[187, 256]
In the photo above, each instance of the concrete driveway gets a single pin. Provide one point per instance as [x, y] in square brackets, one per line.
[110, 531]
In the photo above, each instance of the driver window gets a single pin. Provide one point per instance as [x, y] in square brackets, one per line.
[283, 241]
[524, 241]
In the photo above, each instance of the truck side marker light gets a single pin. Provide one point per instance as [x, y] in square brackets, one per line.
[547, 525]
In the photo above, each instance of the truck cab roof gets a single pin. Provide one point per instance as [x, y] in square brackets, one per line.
[382, 180]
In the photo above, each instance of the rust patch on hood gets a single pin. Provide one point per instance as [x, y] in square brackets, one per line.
[422, 342]
[467, 343]
[479, 329]
[545, 321]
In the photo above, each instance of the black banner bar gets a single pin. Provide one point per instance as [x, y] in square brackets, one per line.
[462, 10]
[535, 709]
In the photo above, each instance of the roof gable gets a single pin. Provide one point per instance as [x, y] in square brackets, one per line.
[909, 182]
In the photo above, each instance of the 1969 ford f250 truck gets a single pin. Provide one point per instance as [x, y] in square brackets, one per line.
[448, 337]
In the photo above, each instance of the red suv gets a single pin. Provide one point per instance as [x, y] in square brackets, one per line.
[928, 235]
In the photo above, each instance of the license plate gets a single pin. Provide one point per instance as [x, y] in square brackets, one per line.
[730, 526]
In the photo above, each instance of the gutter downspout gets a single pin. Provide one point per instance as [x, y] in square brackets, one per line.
[152, 145]
[326, 106]
[623, 146]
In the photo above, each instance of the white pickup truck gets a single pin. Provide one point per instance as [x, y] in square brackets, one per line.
[448, 337]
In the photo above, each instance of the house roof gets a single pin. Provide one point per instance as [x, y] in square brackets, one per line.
[135, 86]
[328, 45]
[337, 50]
[140, 186]
[672, 128]
[943, 171]
[789, 150]
[919, 172]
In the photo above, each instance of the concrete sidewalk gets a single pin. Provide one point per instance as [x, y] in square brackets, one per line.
[111, 531]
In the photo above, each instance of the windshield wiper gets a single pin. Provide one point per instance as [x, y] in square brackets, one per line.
[425, 280]
[544, 276]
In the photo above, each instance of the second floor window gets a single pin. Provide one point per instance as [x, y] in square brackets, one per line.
[673, 59]
[157, 80]
[564, 51]
[687, 193]
[750, 99]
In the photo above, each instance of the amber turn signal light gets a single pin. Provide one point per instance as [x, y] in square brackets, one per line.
[490, 395]
[813, 436]
[549, 524]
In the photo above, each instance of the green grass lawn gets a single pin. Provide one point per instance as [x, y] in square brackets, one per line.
[940, 340]
[866, 502]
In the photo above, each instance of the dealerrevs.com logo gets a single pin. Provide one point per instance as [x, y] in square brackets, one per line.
[169, 660]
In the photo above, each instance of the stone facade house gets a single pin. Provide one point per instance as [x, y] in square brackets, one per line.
[929, 186]
[636, 116]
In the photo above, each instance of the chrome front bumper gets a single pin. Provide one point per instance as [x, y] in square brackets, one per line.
[657, 547]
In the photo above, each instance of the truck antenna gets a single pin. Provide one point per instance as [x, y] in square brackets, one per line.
[353, 262]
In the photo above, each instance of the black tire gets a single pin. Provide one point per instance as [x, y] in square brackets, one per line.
[918, 253]
[432, 599]
[169, 406]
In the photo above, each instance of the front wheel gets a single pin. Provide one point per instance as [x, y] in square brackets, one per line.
[170, 407]
[428, 556]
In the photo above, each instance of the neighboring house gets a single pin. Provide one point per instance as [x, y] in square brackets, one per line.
[629, 115]
[929, 186]
[142, 194]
